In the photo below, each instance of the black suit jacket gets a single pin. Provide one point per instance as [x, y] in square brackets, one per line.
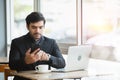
[20, 45]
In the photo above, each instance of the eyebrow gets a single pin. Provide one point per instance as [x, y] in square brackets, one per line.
[37, 26]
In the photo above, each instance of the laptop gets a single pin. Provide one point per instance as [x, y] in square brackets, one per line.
[77, 59]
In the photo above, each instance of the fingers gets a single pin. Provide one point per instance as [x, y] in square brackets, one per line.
[28, 51]
[43, 55]
[30, 57]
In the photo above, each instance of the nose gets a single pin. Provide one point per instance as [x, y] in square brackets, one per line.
[37, 30]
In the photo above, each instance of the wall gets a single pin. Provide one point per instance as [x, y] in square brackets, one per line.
[2, 29]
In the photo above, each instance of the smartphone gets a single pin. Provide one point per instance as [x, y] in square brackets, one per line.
[34, 47]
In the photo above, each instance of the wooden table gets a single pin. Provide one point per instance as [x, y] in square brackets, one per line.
[51, 75]
[3, 63]
[95, 68]
[4, 60]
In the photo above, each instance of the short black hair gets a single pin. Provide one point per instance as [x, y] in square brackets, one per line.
[34, 17]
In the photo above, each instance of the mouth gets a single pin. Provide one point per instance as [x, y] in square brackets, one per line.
[36, 34]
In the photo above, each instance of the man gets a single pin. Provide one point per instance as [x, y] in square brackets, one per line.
[33, 48]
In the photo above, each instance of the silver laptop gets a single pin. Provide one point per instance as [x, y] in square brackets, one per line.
[78, 58]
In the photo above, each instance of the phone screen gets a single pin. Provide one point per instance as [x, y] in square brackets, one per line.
[34, 47]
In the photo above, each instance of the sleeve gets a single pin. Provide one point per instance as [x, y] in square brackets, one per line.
[56, 59]
[16, 61]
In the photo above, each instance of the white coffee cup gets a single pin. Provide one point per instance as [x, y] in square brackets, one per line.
[41, 68]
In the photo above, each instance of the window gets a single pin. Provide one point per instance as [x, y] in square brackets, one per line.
[100, 18]
[17, 10]
[21, 9]
[60, 19]
[101, 26]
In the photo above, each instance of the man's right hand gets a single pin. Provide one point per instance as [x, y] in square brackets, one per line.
[31, 57]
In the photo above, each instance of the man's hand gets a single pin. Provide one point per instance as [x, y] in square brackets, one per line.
[43, 56]
[31, 57]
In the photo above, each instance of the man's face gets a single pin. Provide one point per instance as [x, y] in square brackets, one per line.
[36, 29]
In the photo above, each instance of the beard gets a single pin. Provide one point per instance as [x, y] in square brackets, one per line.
[37, 35]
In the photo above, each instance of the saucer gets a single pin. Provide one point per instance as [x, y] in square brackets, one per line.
[46, 71]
